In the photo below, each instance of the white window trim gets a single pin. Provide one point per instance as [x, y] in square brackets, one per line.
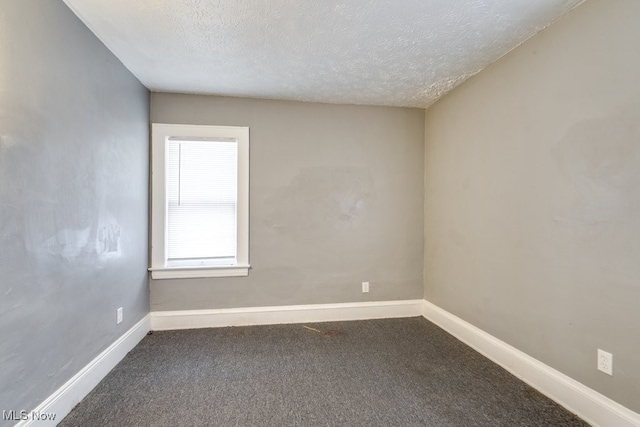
[160, 132]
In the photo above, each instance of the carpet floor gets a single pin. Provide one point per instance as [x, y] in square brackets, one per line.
[392, 372]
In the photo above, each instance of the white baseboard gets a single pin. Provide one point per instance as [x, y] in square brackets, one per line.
[192, 319]
[588, 404]
[63, 400]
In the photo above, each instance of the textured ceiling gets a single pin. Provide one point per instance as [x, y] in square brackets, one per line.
[377, 52]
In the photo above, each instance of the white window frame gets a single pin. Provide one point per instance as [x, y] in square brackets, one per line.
[160, 134]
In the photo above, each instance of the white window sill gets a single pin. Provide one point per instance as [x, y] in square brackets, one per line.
[195, 272]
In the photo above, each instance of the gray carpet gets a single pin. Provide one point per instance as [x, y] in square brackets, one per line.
[394, 372]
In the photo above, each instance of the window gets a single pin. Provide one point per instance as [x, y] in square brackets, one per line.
[200, 201]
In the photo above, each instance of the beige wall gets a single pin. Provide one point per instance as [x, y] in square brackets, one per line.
[336, 199]
[533, 197]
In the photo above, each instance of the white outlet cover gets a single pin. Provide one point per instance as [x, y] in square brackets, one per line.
[119, 315]
[605, 362]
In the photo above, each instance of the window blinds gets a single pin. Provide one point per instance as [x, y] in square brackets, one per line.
[202, 188]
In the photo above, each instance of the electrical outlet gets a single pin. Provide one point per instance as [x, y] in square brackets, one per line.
[365, 287]
[605, 362]
[119, 316]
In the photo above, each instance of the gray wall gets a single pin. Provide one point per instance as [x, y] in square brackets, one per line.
[336, 199]
[533, 197]
[73, 199]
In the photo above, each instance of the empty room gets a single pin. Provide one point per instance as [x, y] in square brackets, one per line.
[298, 213]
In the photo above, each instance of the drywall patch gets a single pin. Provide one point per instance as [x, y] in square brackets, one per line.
[6, 142]
[68, 243]
[321, 199]
[109, 239]
[600, 160]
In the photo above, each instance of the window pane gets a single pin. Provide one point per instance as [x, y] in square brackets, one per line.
[201, 200]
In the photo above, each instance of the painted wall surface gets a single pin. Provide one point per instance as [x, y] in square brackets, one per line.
[336, 199]
[532, 220]
[73, 199]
